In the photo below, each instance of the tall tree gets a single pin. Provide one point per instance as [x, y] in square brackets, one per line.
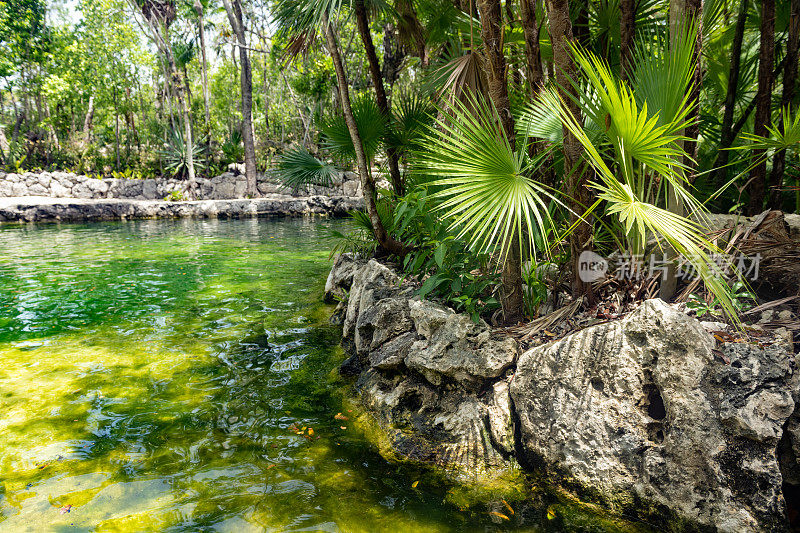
[789, 83]
[362, 23]
[234, 10]
[693, 13]
[762, 118]
[627, 31]
[576, 172]
[386, 241]
[201, 30]
[492, 36]
[726, 131]
[159, 16]
[533, 55]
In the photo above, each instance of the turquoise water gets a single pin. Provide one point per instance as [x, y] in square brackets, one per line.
[180, 376]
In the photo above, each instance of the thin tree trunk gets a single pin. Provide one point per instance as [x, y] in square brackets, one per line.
[582, 23]
[694, 10]
[533, 57]
[789, 82]
[677, 25]
[580, 198]
[87, 122]
[385, 240]
[234, 9]
[198, 7]
[116, 129]
[627, 31]
[766, 57]
[492, 36]
[726, 137]
[362, 22]
[265, 88]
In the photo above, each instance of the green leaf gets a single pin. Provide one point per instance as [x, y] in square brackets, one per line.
[438, 255]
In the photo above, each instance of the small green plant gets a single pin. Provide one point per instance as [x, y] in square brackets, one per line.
[741, 298]
[175, 155]
[175, 196]
[534, 286]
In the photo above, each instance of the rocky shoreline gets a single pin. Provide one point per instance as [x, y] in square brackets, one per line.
[652, 415]
[227, 186]
[42, 209]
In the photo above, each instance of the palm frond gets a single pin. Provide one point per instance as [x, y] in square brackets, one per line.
[781, 137]
[371, 124]
[486, 190]
[297, 168]
[638, 217]
[412, 114]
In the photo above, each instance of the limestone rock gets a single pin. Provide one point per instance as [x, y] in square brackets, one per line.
[453, 346]
[340, 277]
[640, 409]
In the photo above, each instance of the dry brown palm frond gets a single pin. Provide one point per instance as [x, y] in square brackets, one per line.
[465, 79]
[409, 28]
[298, 44]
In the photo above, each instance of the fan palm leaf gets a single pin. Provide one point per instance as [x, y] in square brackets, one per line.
[371, 124]
[486, 191]
[298, 168]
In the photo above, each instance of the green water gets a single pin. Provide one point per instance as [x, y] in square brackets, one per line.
[167, 376]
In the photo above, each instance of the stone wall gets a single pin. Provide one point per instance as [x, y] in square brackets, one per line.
[653, 415]
[228, 185]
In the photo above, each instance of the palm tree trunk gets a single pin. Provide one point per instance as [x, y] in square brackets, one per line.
[789, 82]
[766, 57]
[677, 31]
[234, 9]
[581, 239]
[582, 23]
[694, 10]
[386, 241]
[362, 22]
[533, 55]
[491, 34]
[627, 31]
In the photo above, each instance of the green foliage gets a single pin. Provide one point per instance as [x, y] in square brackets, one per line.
[411, 116]
[534, 286]
[175, 154]
[636, 146]
[741, 298]
[450, 270]
[232, 148]
[487, 187]
[175, 196]
[371, 124]
[297, 168]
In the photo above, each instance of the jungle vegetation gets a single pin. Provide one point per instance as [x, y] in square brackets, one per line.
[509, 136]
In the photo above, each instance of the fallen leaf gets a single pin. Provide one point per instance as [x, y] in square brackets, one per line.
[721, 355]
[414, 485]
[510, 510]
[340, 416]
[501, 515]
[343, 427]
[550, 514]
[310, 432]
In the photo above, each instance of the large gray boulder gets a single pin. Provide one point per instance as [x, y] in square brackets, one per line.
[645, 410]
[453, 346]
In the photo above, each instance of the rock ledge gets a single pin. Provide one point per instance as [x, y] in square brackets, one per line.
[640, 414]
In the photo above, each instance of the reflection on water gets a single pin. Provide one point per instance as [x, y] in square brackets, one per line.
[178, 376]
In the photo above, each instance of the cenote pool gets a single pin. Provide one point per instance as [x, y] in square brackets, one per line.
[180, 376]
